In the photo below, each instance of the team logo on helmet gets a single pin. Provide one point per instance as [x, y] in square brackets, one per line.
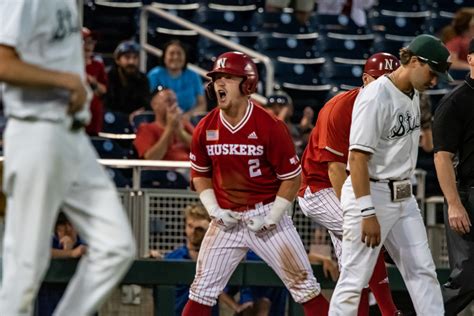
[221, 62]
[388, 64]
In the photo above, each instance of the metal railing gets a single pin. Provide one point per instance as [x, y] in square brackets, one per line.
[147, 48]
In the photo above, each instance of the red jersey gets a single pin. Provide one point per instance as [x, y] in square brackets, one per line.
[246, 162]
[328, 142]
[148, 134]
[96, 69]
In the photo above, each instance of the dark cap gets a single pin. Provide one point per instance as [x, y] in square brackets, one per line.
[471, 46]
[126, 47]
[432, 51]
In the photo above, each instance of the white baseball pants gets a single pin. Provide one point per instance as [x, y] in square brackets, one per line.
[48, 167]
[404, 236]
[282, 249]
[325, 208]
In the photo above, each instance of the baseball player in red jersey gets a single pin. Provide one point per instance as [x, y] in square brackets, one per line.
[246, 172]
[324, 172]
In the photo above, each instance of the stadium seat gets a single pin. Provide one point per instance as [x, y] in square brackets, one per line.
[344, 76]
[399, 5]
[301, 81]
[235, 21]
[237, 3]
[298, 71]
[390, 43]
[112, 21]
[291, 47]
[345, 46]
[144, 117]
[282, 23]
[163, 179]
[119, 177]
[398, 23]
[110, 149]
[116, 123]
[325, 23]
[438, 21]
[246, 39]
[450, 5]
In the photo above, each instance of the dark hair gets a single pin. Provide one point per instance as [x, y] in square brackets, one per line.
[177, 43]
[405, 55]
[459, 25]
[62, 219]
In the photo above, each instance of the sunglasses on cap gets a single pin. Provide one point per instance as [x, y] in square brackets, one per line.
[281, 100]
[434, 65]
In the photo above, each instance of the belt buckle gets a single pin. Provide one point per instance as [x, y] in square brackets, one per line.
[401, 190]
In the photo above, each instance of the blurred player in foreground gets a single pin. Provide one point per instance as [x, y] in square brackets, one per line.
[50, 162]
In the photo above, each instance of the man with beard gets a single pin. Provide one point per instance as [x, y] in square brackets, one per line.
[128, 87]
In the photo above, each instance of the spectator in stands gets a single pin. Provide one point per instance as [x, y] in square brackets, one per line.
[196, 221]
[169, 136]
[457, 36]
[356, 9]
[128, 88]
[97, 79]
[174, 74]
[281, 105]
[65, 244]
[302, 8]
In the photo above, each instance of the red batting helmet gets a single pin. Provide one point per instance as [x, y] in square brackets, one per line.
[380, 64]
[237, 64]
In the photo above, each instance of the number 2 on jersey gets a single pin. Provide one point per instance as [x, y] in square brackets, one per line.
[254, 168]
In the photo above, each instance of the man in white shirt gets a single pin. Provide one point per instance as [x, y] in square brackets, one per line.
[50, 163]
[377, 200]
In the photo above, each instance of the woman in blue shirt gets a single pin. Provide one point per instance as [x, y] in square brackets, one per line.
[174, 75]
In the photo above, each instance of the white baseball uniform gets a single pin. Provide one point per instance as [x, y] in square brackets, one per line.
[386, 124]
[48, 166]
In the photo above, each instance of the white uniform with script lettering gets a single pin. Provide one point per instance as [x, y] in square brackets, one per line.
[49, 165]
[386, 124]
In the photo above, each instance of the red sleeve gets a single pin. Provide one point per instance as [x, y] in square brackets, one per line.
[200, 162]
[145, 139]
[454, 45]
[281, 152]
[102, 75]
[335, 141]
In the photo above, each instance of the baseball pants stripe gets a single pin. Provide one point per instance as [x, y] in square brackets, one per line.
[324, 208]
[282, 249]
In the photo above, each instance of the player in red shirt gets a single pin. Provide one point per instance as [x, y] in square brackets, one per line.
[246, 172]
[324, 172]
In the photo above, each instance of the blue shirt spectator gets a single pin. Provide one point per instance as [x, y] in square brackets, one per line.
[174, 74]
[187, 86]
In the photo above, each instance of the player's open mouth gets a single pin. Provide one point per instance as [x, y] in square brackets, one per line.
[222, 94]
